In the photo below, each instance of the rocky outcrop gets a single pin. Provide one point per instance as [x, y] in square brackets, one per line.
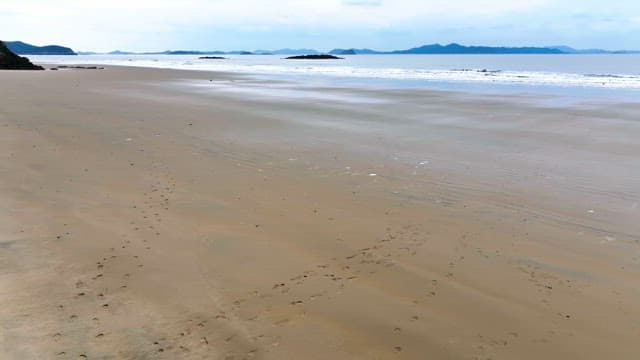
[11, 61]
[314, 57]
[212, 58]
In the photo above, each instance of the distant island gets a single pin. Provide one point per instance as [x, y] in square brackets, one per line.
[461, 49]
[454, 49]
[11, 61]
[22, 48]
[212, 58]
[356, 52]
[314, 57]
[432, 49]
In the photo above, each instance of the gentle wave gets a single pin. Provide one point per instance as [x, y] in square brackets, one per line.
[613, 81]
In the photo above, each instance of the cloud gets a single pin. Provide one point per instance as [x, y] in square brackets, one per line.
[117, 12]
[362, 2]
[161, 24]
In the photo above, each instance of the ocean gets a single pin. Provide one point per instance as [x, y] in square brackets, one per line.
[590, 75]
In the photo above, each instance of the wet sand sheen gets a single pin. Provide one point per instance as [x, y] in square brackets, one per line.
[146, 218]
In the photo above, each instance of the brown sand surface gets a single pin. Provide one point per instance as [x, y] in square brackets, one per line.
[155, 214]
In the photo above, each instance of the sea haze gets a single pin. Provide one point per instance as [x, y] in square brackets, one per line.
[583, 73]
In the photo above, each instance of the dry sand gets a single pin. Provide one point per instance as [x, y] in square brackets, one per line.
[143, 217]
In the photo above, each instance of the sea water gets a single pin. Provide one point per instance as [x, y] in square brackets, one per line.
[602, 74]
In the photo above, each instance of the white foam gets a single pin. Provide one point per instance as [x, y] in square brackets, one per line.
[613, 81]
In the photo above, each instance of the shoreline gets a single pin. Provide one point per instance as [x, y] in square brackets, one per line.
[465, 75]
[216, 223]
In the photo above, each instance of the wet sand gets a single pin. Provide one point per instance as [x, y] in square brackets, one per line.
[158, 214]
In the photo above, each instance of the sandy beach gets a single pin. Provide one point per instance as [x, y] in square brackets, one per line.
[164, 214]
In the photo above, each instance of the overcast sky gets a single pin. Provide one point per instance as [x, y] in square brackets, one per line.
[145, 25]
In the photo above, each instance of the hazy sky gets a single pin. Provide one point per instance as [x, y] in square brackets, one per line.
[144, 25]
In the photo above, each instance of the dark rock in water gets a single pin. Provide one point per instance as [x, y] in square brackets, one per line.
[80, 67]
[11, 61]
[314, 57]
[212, 58]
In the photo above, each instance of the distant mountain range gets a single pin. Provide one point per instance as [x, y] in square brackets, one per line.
[461, 49]
[22, 48]
[433, 49]
[570, 50]
[452, 49]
